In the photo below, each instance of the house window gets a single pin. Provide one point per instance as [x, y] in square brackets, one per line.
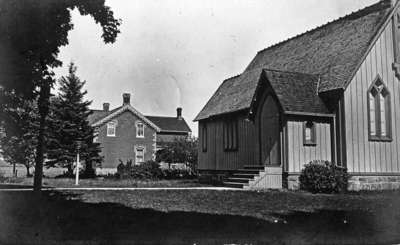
[309, 134]
[230, 130]
[111, 128]
[204, 138]
[95, 136]
[139, 155]
[139, 130]
[379, 116]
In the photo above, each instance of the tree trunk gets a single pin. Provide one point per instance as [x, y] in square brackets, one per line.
[70, 170]
[43, 104]
[89, 170]
[28, 174]
[14, 170]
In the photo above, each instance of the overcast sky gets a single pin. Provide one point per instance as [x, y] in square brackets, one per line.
[174, 53]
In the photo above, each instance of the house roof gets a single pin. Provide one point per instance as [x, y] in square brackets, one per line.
[164, 124]
[170, 124]
[119, 110]
[333, 51]
[99, 114]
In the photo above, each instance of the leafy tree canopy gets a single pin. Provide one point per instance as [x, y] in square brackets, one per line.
[31, 34]
[181, 150]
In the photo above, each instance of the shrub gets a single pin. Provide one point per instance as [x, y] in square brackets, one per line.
[151, 170]
[146, 170]
[323, 177]
[178, 174]
[3, 178]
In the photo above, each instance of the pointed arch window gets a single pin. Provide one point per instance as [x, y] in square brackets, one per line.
[379, 114]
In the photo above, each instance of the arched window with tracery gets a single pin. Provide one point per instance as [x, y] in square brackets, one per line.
[379, 115]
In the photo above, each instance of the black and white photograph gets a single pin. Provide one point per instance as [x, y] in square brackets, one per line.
[199, 122]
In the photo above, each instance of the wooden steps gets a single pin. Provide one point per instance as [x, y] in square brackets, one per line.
[256, 177]
[241, 177]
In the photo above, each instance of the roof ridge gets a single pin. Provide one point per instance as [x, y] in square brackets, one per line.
[292, 72]
[161, 116]
[358, 13]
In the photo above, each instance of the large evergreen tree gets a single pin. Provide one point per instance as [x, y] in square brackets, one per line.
[69, 128]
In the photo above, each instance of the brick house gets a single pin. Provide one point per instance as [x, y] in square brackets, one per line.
[126, 134]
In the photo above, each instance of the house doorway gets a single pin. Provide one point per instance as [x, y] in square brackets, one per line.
[269, 133]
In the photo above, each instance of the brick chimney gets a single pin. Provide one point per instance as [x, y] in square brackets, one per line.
[106, 106]
[126, 99]
[179, 113]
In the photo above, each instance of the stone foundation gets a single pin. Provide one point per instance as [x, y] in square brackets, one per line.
[293, 182]
[358, 183]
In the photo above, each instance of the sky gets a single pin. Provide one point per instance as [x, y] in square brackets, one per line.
[175, 53]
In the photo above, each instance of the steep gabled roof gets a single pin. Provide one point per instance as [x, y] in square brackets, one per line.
[296, 92]
[234, 94]
[170, 124]
[333, 52]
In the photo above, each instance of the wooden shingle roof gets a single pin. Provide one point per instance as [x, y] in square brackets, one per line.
[333, 52]
[234, 94]
[297, 92]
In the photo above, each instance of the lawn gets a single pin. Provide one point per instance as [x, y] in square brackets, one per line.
[199, 217]
[106, 182]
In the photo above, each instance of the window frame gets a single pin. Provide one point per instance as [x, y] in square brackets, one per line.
[388, 113]
[230, 135]
[313, 140]
[96, 135]
[137, 129]
[204, 137]
[114, 123]
[143, 149]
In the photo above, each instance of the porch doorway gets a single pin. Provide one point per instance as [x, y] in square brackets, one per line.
[269, 133]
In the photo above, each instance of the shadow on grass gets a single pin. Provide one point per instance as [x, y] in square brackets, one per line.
[14, 186]
[61, 218]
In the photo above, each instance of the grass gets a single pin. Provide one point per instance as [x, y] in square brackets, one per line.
[199, 216]
[107, 182]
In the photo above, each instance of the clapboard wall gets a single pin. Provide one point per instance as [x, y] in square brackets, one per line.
[215, 158]
[364, 156]
[300, 154]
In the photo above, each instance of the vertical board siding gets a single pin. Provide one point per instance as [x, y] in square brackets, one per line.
[298, 154]
[366, 156]
[215, 158]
